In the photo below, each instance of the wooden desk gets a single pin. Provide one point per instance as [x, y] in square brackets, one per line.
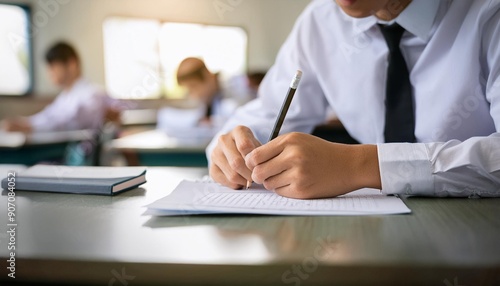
[93, 240]
[17, 148]
[156, 148]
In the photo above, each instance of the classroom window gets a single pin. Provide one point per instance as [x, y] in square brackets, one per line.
[15, 50]
[141, 56]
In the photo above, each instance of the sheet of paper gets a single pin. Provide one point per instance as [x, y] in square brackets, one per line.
[209, 197]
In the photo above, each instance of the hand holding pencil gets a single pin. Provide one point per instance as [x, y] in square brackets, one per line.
[294, 165]
[227, 164]
[283, 111]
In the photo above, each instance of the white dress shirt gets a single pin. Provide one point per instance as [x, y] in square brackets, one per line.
[81, 107]
[452, 49]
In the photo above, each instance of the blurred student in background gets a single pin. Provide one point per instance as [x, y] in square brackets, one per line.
[253, 81]
[217, 99]
[80, 105]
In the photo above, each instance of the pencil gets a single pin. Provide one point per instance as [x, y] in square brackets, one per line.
[284, 109]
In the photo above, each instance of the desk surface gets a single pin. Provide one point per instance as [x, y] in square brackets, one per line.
[18, 148]
[18, 139]
[96, 239]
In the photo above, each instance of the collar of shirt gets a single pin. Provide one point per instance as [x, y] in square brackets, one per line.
[418, 19]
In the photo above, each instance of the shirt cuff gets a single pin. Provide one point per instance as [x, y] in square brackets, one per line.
[405, 168]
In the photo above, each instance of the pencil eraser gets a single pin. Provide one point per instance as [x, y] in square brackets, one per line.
[296, 80]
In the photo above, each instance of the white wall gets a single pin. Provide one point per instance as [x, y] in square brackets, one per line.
[267, 22]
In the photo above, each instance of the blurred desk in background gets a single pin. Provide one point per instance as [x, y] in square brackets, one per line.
[29, 149]
[92, 240]
[156, 148]
[139, 117]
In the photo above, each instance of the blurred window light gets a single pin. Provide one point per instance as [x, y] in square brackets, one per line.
[16, 72]
[142, 56]
[131, 58]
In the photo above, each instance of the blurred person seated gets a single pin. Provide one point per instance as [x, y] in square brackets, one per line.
[253, 81]
[216, 101]
[80, 105]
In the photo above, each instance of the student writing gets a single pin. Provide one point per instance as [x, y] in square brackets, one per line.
[416, 82]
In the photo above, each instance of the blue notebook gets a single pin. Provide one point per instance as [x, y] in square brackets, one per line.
[78, 180]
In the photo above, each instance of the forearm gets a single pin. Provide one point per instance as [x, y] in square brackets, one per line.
[19, 124]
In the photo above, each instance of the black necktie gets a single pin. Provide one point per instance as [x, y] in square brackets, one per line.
[399, 117]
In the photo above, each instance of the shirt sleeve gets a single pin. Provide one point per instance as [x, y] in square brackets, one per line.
[75, 114]
[454, 168]
[46, 119]
[309, 104]
[91, 113]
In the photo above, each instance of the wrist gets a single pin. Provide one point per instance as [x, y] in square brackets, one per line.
[366, 167]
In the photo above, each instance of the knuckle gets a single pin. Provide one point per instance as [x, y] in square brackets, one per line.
[215, 155]
[215, 173]
[223, 139]
[244, 144]
[251, 160]
[234, 186]
[293, 154]
[236, 163]
[292, 137]
[268, 184]
[241, 129]
[258, 175]
[233, 177]
[298, 156]
[220, 141]
[213, 158]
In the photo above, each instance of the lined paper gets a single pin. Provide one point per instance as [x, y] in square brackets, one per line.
[212, 198]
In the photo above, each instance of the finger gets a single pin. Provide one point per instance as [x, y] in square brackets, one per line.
[245, 140]
[234, 158]
[291, 191]
[285, 191]
[270, 168]
[264, 153]
[278, 181]
[231, 175]
[219, 176]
